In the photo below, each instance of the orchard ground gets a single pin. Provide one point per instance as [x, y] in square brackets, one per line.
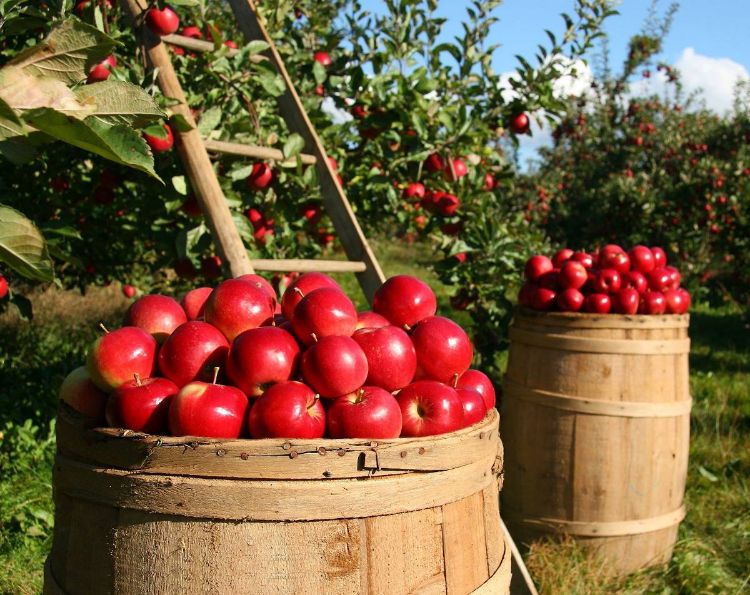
[713, 552]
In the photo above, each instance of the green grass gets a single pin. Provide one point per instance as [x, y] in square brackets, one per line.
[713, 552]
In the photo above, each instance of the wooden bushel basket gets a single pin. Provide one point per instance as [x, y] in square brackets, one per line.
[596, 422]
[142, 514]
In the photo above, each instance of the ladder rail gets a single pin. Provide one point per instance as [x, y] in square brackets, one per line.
[337, 205]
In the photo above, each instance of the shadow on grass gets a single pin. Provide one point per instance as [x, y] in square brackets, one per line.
[721, 341]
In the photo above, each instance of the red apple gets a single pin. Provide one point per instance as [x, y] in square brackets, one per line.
[520, 124]
[443, 349]
[428, 408]
[211, 267]
[162, 22]
[618, 261]
[585, 259]
[159, 315]
[391, 358]
[324, 312]
[370, 412]
[81, 394]
[550, 280]
[660, 279]
[677, 301]
[194, 302]
[192, 31]
[127, 290]
[570, 300]
[607, 281]
[300, 287]
[674, 277]
[573, 275]
[191, 353]
[261, 176]
[434, 162]
[334, 366]
[543, 298]
[261, 283]
[3, 287]
[448, 204]
[236, 306]
[261, 357]
[660, 257]
[115, 357]
[100, 72]
[288, 410]
[208, 410]
[536, 266]
[489, 182]
[652, 302]
[635, 280]
[561, 257]
[160, 145]
[626, 301]
[141, 405]
[473, 404]
[478, 381]
[459, 170]
[369, 319]
[404, 300]
[642, 259]
[598, 303]
[322, 58]
[414, 190]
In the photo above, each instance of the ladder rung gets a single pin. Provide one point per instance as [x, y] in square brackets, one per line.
[220, 146]
[302, 265]
[199, 45]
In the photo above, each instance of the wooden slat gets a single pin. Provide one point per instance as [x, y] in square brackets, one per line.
[464, 544]
[244, 150]
[200, 45]
[193, 153]
[335, 201]
[274, 458]
[303, 266]
[272, 500]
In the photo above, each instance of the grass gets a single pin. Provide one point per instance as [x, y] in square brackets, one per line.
[713, 552]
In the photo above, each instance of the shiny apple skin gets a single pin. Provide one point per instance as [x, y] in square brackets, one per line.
[334, 366]
[473, 405]
[236, 306]
[159, 315]
[192, 352]
[428, 408]
[208, 410]
[116, 356]
[194, 302]
[371, 412]
[288, 410]
[261, 357]
[141, 405]
[404, 301]
[78, 391]
[478, 381]
[368, 319]
[300, 287]
[391, 357]
[322, 313]
[443, 349]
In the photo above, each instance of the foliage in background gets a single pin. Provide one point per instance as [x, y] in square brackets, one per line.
[411, 97]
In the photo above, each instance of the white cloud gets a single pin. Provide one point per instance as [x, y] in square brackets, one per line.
[338, 115]
[713, 79]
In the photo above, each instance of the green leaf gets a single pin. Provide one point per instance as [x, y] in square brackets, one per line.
[240, 173]
[120, 143]
[69, 52]
[180, 123]
[319, 72]
[23, 304]
[180, 185]
[255, 47]
[22, 91]
[22, 246]
[117, 102]
[293, 145]
[184, 2]
[210, 119]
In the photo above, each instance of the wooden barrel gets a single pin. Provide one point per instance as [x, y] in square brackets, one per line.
[140, 514]
[596, 422]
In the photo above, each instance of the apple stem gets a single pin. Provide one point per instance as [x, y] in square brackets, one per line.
[314, 336]
[104, 328]
[299, 291]
[407, 328]
[216, 375]
[454, 381]
[137, 377]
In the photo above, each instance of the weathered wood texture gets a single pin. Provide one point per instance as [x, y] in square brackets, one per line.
[143, 514]
[596, 420]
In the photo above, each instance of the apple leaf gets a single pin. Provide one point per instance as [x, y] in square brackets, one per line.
[21, 91]
[119, 143]
[117, 102]
[69, 52]
[293, 146]
[22, 246]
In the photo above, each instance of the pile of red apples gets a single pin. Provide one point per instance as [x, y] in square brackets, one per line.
[611, 280]
[231, 362]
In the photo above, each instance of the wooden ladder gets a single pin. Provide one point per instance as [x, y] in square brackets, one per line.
[193, 151]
